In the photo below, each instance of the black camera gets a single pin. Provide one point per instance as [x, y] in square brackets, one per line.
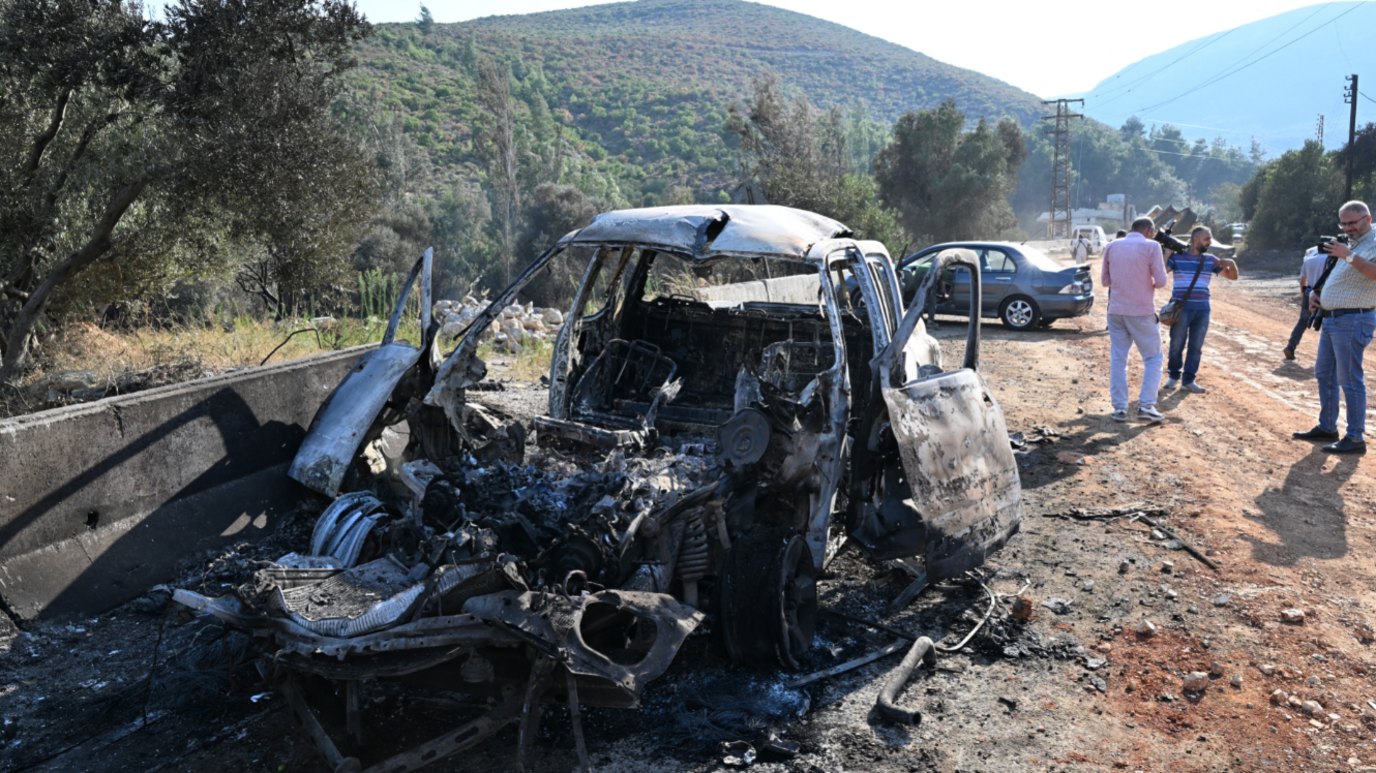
[1172, 244]
[1324, 241]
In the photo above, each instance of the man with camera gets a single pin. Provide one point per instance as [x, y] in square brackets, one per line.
[1345, 301]
[1132, 270]
[1192, 270]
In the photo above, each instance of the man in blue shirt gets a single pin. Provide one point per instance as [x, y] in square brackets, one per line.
[1188, 332]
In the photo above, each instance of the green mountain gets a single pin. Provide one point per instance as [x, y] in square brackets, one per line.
[633, 96]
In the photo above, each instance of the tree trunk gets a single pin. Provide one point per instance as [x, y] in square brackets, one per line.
[17, 338]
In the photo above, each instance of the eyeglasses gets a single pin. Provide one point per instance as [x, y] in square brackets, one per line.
[1352, 223]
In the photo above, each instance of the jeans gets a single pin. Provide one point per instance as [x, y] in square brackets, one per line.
[1342, 343]
[1189, 330]
[1123, 332]
[1302, 325]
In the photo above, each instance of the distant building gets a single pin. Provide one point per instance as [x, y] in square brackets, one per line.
[1085, 216]
[1110, 214]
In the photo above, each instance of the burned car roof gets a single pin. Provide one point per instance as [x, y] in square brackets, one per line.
[706, 232]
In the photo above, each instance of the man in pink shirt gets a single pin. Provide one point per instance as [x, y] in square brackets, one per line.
[1133, 267]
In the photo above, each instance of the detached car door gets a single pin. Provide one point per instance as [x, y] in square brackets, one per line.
[933, 472]
[953, 288]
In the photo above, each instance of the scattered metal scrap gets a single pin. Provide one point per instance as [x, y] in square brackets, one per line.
[1106, 513]
[1136, 512]
[924, 650]
[451, 561]
[1186, 546]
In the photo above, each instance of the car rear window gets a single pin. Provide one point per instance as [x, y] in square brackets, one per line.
[1039, 259]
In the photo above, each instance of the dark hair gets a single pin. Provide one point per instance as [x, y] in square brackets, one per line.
[1121, 233]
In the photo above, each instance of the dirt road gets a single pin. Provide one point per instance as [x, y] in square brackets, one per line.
[1075, 689]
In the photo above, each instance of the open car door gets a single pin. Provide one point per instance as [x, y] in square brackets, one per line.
[347, 415]
[933, 473]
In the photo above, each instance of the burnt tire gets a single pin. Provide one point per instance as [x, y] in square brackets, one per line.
[768, 598]
[1020, 313]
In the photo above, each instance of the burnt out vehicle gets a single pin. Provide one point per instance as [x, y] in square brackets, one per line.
[721, 340]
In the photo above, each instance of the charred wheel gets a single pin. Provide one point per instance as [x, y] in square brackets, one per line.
[768, 604]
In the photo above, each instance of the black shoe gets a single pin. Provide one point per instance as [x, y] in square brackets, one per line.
[1316, 434]
[1346, 446]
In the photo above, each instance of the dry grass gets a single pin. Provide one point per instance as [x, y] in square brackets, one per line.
[129, 360]
[529, 364]
[238, 343]
[121, 360]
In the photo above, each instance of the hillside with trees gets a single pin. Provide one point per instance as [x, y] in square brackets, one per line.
[1294, 199]
[259, 160]
[609, 106]
[630, 104]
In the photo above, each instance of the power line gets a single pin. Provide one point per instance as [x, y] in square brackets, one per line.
[1130, 86]
[1191, 125]
[1272, 40]
[1242, 67]
[1364, 96]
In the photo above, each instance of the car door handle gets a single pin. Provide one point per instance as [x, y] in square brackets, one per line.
[1005, 279]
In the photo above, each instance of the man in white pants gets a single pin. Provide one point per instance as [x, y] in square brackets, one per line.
[1133, 267]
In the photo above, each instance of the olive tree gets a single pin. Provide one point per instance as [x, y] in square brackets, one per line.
[802, 159]
[946, 183]
[153, 147]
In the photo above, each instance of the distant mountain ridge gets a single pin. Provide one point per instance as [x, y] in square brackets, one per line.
[1286, 70]
[634, 96]
[731, 42]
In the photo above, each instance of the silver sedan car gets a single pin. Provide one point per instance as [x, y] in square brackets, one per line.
[1020, 285]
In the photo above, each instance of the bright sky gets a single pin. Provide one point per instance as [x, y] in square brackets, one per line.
[1049, 49]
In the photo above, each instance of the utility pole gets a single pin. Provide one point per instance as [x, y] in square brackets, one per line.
[1320, 131]
[1350, 96]
[1060, 164]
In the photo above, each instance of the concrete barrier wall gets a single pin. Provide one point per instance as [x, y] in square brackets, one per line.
[100, 501]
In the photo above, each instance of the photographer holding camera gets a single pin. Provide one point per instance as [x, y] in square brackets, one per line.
[1192, 270]
[1344, 304]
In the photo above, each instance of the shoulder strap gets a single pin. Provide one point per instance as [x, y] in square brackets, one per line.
[1327, 269]
[1198, 269]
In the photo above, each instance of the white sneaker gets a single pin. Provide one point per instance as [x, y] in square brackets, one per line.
[1171, 383]
[1196, 388]
[1120, 415]
[1148, 413]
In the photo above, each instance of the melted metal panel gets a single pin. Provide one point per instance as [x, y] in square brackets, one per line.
[752, 231]
[333, 440]
[350, 411]
[555, 623]
[960, 468]
[772, 230]
[677, 229]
